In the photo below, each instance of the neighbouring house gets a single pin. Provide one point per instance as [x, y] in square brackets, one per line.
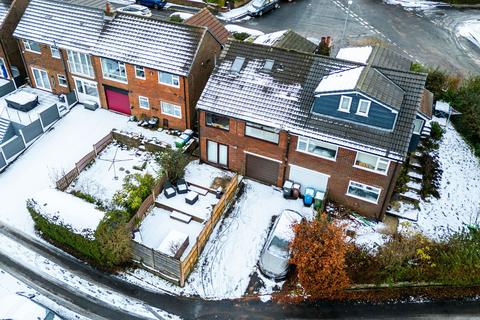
[204, 18]
[334, 124]
[11, 64]
[287, 39]
[137, 66]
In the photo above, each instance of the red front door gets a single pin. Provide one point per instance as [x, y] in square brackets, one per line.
[118, 101]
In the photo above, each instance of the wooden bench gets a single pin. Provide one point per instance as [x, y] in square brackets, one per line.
[180, 216]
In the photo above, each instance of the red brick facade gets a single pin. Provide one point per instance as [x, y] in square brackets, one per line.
[341, 171]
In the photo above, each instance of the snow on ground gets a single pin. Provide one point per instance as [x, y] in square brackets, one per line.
[232, 252]
[64, 209]
[50, 269]
[10, 286]
[470, 29]
[233, 28]
[201, 209]
[459, 203]
[203, 174]
[160, 136]
[103, 178]
[416, 4]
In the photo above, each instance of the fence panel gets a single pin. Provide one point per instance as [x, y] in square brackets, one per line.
[3, 162]
[89, 157]
[7, 88]
[32, 131]
[167, 264]
[13, 147]
[103, 143]
[71, 98]
[142, 254]
[49, 115]
[64, 182]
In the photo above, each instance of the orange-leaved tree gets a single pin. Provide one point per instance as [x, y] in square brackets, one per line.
[318, 252]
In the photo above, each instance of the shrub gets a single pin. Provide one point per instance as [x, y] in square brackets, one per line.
[173, 163]
[318, 252]
[176, 18]
[136, 188]
[437, 131]
[241, 36]
[87, 197]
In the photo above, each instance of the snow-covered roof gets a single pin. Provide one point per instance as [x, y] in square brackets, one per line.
[340, 81]
[283, 97]
[442, 106]
[156, 44]
[4, 7]
[287, 39]
[270, 38]
[355, 54]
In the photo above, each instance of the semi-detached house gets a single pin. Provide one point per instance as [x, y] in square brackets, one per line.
[133, 65]
[336, 125]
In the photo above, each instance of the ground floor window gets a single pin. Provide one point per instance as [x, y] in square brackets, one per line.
[217, 153]
[363, 192]
[41, 79]
[62, 80]
[143, 102]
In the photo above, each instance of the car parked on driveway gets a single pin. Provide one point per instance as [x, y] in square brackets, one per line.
[136, 10]
[155, 4]
[259, 7]
[275, 254]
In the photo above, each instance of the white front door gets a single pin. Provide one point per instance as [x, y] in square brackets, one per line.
[87, 90]
[308, 178]
[41, 79]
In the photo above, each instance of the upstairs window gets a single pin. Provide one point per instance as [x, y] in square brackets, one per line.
[237, 64]
[217, 121]
[139, 72]
[114, 70]
[345, 103]
[80, 63]
[31, 46]
[62, 80]
[55, 52]
[363, 107]
[371, 163]
[262, 132]
[317, 148]
[417, 126]
[168, 79]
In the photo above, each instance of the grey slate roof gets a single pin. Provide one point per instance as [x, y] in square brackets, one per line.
[293, 41]
[387, 58]
[4, 7]
[378, 86]
[283, 97]
[156, 44]
[46, 21]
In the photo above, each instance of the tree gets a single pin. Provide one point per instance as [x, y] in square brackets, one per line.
[318, 252]
[173, 163]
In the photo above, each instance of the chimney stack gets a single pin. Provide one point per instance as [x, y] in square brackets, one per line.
[109, 12]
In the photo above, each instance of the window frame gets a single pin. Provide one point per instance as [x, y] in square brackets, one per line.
[207, 114]
[140, 98]
[143, 70]
[52, 48]
[421, 126]
[83, 60]
[173, 77]
[162, 103]
[379, 159]
[307, 141]
[261, 128]
[217, 162]
[363, 114]
[363, 186]
[36, 82]
[350, 99]
[59, 82]
[28, 47]
[107, 75]
[2, 62]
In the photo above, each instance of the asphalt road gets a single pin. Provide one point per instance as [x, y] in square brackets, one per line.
[196, 308]
[413, 34]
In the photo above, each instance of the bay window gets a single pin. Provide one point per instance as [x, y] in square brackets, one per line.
[371, 163]
[363, 192]
[317, 148]
[80, 63]
[114, 70]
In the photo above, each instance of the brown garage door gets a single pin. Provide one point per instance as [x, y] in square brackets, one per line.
[262, 169]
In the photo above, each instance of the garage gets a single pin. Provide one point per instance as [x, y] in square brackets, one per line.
[262, 169]
[308, 178]
[117, 100]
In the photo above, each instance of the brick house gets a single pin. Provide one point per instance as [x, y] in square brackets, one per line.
[339, 126]
[132, 65]
[11, 64]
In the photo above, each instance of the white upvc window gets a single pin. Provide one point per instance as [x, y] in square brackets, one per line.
[143, 102]
[171, 109]
[417, 126]
[139, 72]
[114, 70]
[41, 79]
[345, 103]
[80, 63]
[370, 162]
[55, 52]
[363, 107]
[62, 80]
[168, 79]
[217, 153]
[31, 46]
[317, 148]
[3, 69]
[262, 132]
[363, 192]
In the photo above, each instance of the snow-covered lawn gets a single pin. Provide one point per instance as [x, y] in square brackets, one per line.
[232, 252]
[201, 209]
[105, 176]
[203, 174]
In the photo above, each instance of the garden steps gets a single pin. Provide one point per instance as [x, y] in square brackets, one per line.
[410, 195]
[415, 175]
[414, 186]
[415, 163]
[404, 210]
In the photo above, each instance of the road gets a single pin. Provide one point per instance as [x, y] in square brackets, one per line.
[414, 34]
[195, 308]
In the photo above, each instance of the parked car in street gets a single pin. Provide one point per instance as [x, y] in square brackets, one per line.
[136, 10]
[155, 4]
[121, 3]
[275, 253]
[259, 7]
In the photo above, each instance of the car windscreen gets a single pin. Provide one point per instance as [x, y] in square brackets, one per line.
[258, 3]
[278, 247]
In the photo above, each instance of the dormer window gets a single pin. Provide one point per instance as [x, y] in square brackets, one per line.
[345, 103]
[238, 64]
[363, 108]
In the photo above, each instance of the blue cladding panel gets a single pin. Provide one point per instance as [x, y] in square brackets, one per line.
[378, 116]
[32, 131]
[49, 115]
[14, 146]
